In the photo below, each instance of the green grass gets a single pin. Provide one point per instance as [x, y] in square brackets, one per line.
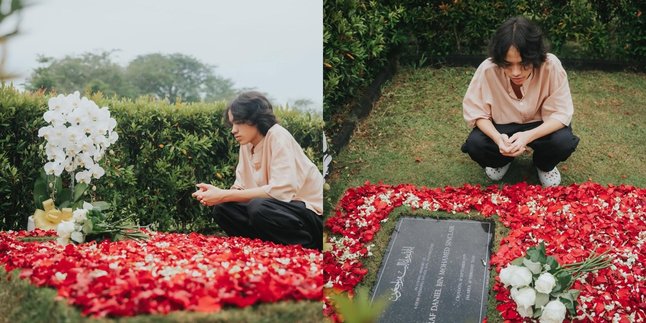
[23, 302]
[414, 133]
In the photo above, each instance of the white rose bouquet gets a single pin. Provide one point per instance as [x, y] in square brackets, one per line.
[77, 136]
[541, 287]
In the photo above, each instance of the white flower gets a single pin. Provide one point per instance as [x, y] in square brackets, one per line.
[524, 297]
[78, 237]
[54, 117]
[545, 283]
[553, 312]
[97, 171]
[78, 134]
[65, 229]
[53, 168]
[516, 276]
[83, 177]
[79, 216]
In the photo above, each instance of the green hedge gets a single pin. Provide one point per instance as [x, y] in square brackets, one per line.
[359, 35]
[357, 38]
[590, 29]
[162, 152]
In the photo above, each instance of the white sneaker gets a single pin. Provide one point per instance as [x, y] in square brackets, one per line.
[551, 178]
[496, 174]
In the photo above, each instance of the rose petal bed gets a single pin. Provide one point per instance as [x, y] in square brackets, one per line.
[168, 272]
[572, 221]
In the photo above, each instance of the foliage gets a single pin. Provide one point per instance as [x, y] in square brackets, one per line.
[162, 152]
[91, 72]
[172, 77]
[358, 35]
[359, 308]
[8, 12]
[177, 76]
[575, 28]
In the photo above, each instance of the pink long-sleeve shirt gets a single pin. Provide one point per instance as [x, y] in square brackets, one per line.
[546, 94]
[279, 165]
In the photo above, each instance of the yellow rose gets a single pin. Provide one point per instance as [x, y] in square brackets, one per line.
[50, 217]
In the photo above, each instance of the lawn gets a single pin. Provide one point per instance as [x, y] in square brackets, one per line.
[414, 133]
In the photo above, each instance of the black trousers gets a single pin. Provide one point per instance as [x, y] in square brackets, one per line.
[548, 150]
[272, 220]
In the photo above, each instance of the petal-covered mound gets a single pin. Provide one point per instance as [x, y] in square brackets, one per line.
[572, 221]
[166, 273]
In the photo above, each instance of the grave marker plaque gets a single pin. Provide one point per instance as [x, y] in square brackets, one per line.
[436, 271]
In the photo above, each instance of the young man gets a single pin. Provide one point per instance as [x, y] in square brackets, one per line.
[278, 192]
[519, 97]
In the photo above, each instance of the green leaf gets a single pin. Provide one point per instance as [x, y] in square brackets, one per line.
[101, 205]
[518, 261]
[534, 267]
[563, 280]
[570, 305]
[360, 309]
[87, 226]
[63, 198]
[79, 189]
[537, 253]
[554, 265]
[541, 300]
[41, 193]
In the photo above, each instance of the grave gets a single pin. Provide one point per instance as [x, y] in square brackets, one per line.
[435, 271]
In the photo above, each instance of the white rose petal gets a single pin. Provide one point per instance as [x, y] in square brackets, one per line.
[60, 276]
[545, 283]
[553, 312]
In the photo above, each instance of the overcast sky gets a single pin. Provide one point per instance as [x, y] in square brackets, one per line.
[274, 46]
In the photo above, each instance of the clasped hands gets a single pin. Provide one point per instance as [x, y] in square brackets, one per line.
[209, 195]
[515, 145]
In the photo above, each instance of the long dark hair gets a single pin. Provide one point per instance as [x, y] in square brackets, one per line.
[252, 108]
[523, 34]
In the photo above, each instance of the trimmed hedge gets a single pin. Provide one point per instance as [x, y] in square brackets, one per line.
[577, 29]
[162, 152]
[357, 39]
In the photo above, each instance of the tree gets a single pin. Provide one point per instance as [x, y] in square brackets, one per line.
[169, 77]
[8, 12]
[178, 76]
[89, 72]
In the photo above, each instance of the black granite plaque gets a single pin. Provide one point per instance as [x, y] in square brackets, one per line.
[435, 271]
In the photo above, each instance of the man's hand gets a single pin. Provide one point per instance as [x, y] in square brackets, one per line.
[518, 142]
[209, 195]
[508, 147]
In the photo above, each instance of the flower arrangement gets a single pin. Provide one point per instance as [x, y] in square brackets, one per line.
[571, 219]
[541, 287]
[77, 136]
